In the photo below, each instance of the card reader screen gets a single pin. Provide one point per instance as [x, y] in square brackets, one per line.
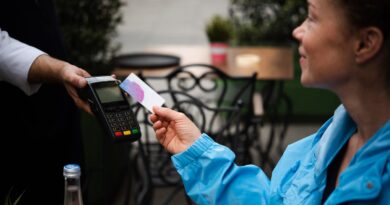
[109, 94]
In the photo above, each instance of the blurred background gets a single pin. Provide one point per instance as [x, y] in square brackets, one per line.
[95, 32]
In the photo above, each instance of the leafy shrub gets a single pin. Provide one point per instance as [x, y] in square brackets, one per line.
[88, 27]
[266, 21]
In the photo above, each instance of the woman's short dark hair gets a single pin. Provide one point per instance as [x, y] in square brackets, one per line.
[363, 13]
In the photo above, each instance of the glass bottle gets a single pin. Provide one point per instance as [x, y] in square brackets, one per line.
[72, 194]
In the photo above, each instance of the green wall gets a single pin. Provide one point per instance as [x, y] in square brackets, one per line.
[106, 163]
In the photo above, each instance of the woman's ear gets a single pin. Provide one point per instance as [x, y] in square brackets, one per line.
[369, 43]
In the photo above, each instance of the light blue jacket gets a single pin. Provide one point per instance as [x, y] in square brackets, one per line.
[211, 177]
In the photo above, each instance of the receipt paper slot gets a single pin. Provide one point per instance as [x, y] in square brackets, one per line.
[109, 104]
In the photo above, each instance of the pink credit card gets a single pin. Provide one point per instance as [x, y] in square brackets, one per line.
[141, 92]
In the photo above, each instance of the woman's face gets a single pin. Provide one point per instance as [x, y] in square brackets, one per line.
[326, 46]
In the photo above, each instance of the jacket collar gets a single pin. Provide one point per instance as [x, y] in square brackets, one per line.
[334, 134]
[362, 178]
[331, 140]
[378, 144]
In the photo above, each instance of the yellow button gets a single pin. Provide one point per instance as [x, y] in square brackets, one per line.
[127, 132]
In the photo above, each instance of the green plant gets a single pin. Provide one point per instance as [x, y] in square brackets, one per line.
[266, 21]
[88, 27]
[219, 29]
[8, 200]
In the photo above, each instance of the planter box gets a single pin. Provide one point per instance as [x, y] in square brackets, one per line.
[270, 63]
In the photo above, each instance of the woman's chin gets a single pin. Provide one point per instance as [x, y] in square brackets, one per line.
[313, 84]
[307, 82]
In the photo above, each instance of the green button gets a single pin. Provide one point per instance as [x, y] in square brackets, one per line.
[135, 131]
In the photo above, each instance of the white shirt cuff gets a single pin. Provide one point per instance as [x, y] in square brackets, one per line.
[16, 59]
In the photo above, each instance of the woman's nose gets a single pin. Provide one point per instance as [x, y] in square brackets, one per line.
[298, 32]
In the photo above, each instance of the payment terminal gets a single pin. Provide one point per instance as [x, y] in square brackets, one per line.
[111, 107]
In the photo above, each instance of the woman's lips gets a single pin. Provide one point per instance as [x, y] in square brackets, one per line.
[302, 60]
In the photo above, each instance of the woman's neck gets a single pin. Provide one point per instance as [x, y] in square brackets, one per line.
[369, 107]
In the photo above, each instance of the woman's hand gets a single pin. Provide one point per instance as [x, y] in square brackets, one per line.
[174, 130]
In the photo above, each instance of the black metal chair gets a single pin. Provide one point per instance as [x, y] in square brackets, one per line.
[277, 108]
[220, 105]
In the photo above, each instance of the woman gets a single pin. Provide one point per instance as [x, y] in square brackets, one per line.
[344, 47]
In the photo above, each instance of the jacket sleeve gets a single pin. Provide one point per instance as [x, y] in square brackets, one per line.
[210, 175]
[15, 62]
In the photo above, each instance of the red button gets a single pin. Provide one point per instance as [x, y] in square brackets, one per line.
[118, 134]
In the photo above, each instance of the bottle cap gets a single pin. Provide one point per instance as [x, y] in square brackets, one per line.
[72, 170]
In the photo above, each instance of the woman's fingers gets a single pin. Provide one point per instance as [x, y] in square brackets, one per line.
[153, 118]
[158, 122]
[157, 125]
[160, 133]
[166, 113]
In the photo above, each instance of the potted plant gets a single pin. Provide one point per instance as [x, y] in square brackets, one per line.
[219, 31]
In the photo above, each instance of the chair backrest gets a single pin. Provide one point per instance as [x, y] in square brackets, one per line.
[217, 103]
[216, 90]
